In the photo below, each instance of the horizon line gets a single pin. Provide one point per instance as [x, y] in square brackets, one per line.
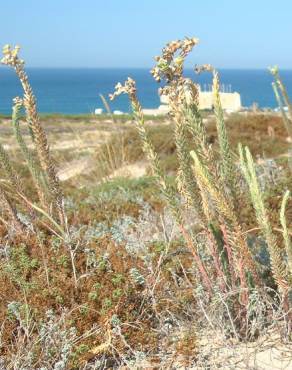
[149, 68]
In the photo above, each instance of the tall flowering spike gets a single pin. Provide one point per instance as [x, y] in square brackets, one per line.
[10, 58]
[204, 68]
[168, 192]
[286, 235]
[286, 99]
[6, 49]
[187, 45]
[228, 168]
[189, 92]
[129, 88]
[278, 262]
[33, 166]
[274, 70]
[169, 65]
[169, 68]
[17, 103]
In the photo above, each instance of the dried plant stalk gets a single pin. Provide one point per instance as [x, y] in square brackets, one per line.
[286, 121]
[130, 89]
[11, 58]
[278, 81]
[228, 169]
[286, 236]
[11, 211]
[37, 176]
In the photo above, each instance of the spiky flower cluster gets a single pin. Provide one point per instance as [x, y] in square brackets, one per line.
[17, 102]
[10, 56]
[179, 90]
[274, 70]
[170, 66]
[129, 88]
[204, 68]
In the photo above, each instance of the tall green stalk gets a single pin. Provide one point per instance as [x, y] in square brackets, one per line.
[278, 265]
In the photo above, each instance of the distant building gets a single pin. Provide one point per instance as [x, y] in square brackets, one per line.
[230, 101]
[98, 111]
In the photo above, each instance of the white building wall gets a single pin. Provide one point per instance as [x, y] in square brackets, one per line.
[229, 101]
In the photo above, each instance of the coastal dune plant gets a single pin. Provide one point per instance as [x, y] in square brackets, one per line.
[165, 186]
[39, 161]
[282, 99]
[286, 233]
[34, 168]
[283, 102]
[210, 188]
[278, 260]
[12, 184]
[39, 138]
[119, 286]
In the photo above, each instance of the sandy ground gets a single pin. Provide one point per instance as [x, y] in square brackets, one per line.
[78, 140]
[267, 353]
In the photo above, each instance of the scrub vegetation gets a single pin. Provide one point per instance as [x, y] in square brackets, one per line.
[105, 269]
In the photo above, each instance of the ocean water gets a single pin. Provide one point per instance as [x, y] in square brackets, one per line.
[75, 91]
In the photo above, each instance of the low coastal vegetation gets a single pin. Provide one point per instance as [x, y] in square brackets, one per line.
[167, 244]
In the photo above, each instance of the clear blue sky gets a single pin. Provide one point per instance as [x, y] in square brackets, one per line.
[128, 33]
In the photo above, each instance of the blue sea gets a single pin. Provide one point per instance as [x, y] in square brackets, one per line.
[76, 91]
